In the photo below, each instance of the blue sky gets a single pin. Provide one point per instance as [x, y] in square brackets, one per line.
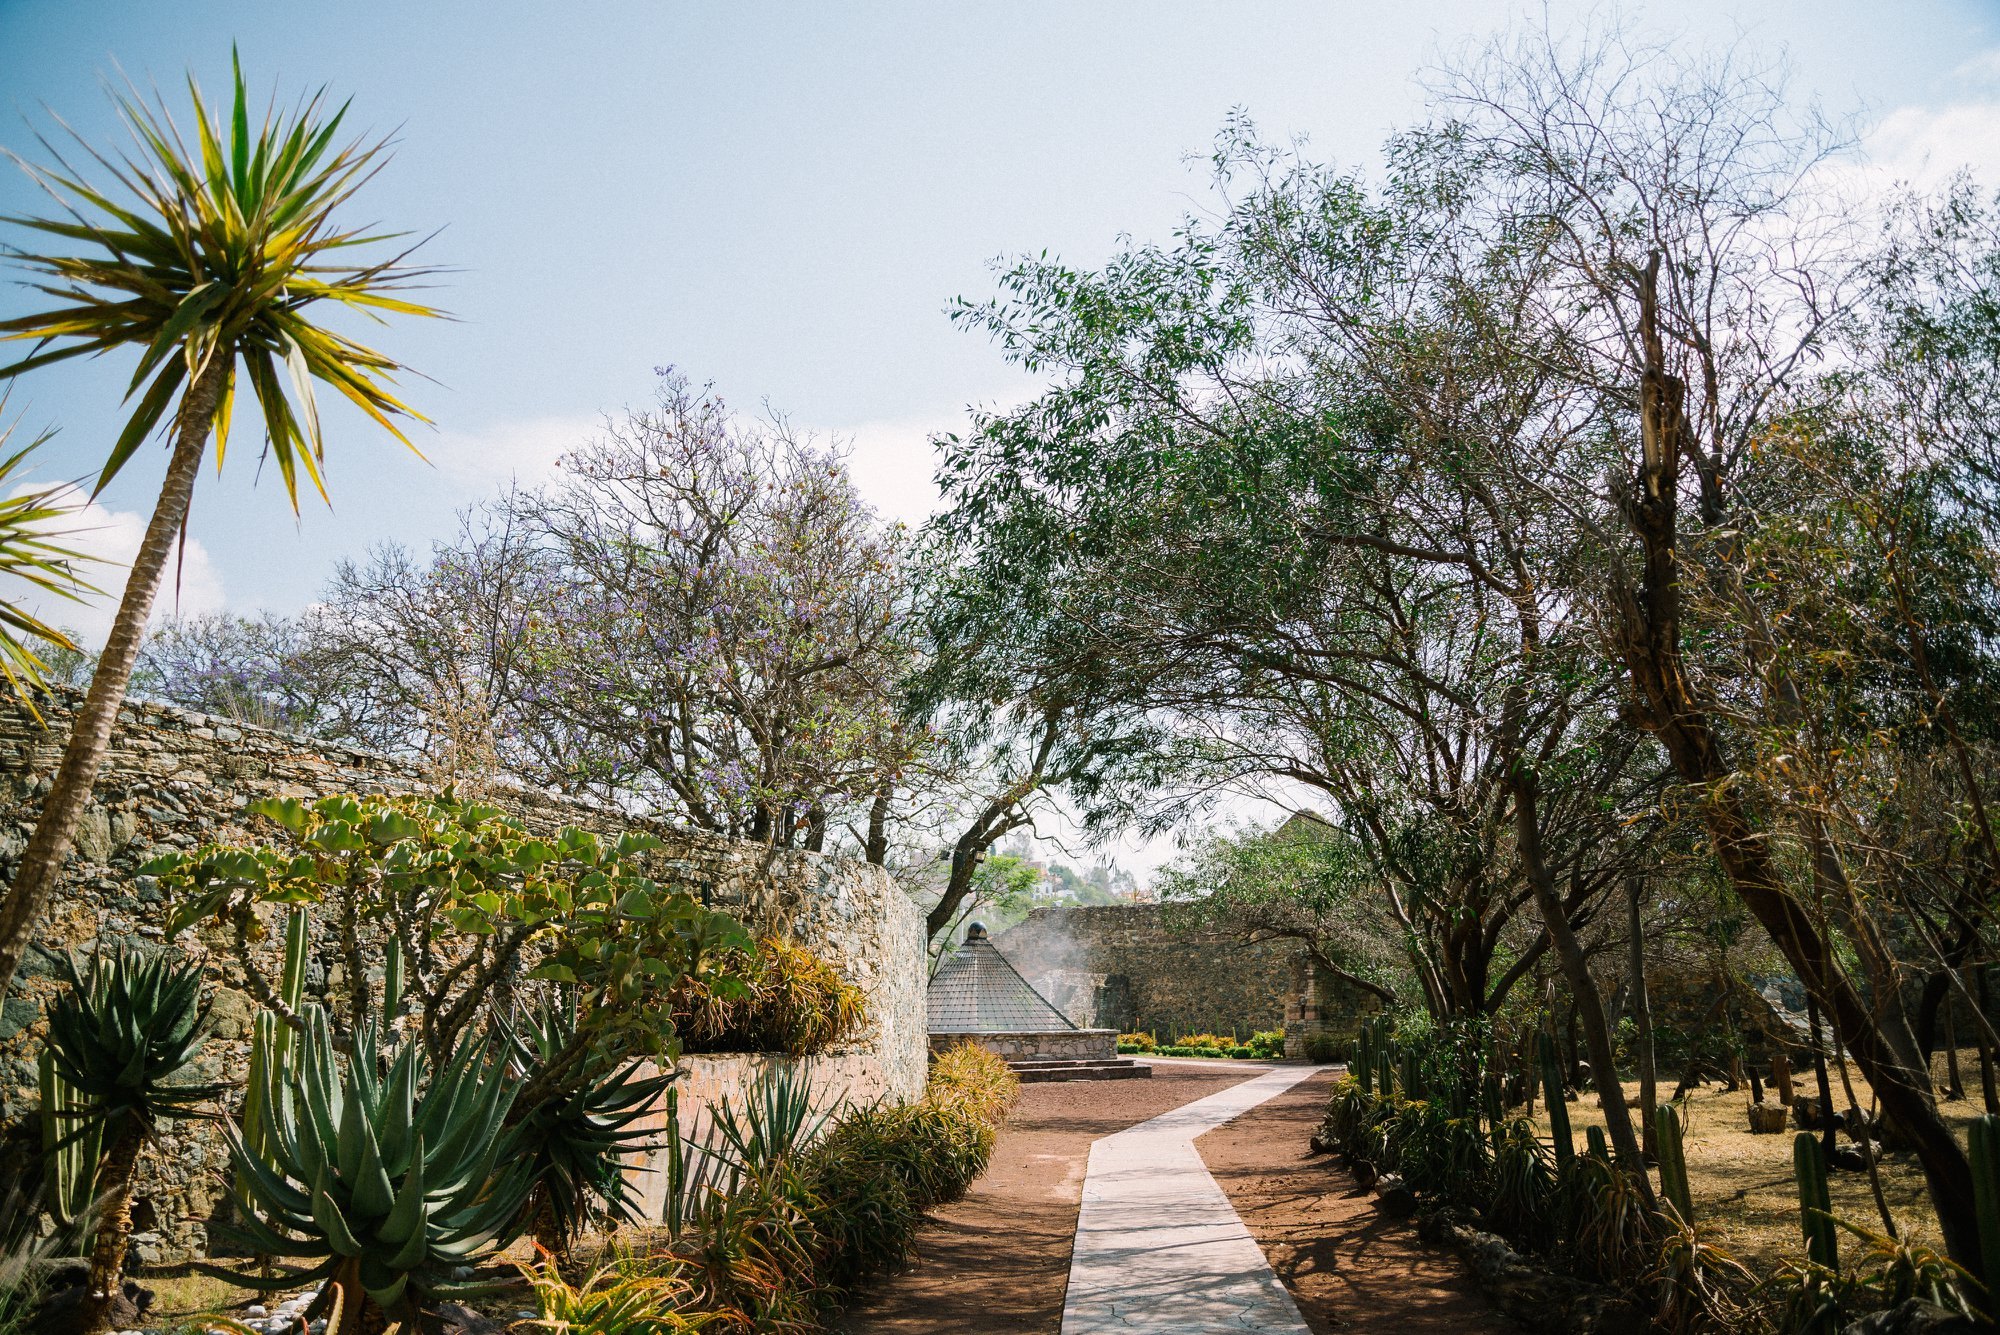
[784, 199]
[781, 199]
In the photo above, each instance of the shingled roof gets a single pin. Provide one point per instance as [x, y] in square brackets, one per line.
[978, 992]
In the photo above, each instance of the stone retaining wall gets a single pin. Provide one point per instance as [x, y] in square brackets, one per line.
[1039, 1045]
[176, 779]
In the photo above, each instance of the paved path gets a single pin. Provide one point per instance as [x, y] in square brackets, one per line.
[1159, 1248]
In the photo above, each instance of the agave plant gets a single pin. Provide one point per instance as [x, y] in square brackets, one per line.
[118, 1036]
[392, 1192]
[571, 1141]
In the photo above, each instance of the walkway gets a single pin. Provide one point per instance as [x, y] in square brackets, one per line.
[1159, 1248]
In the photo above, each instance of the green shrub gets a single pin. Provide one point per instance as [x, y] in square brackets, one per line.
[1139, 1042]
[1268, 1043]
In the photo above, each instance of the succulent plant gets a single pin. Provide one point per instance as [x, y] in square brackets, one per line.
[118, 1035]
[571, 1140]
[387, 1182]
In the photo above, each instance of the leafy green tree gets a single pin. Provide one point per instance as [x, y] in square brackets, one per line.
[211, 268]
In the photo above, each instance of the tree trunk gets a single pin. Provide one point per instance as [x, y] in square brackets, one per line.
[114, 1225]
[1987, 1090]
[1954, 1085]
[1586, 1004]
[1819, 1074]
[1642, 1019]
[90, 729]
[1649, 638]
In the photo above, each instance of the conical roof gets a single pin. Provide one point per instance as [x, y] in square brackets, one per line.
[978, 992]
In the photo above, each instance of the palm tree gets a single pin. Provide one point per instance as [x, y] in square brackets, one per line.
[31, 555]
[209, 265]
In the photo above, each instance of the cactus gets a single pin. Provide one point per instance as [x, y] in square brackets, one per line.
[1552, 1089]
[676, 1164]
[1673, 1163]
[1985, 1147]
[1815, 1205]
[392, 982]
[271, 1040]
[1386, 1070]
[1364, 1057]
[1595, 1145]
[71, 1147]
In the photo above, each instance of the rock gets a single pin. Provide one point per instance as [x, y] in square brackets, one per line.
[1393, 1198]
[1914, 1317]
[254, 1310]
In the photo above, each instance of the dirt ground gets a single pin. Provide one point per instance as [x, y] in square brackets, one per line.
[997, 1262]
[1350, 1268]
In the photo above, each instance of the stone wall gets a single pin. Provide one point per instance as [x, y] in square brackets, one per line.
[1120, 967]
[1038, 1044]
[175, 779]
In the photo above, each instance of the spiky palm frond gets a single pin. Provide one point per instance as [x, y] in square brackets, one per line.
[33, 520]
[220, 249]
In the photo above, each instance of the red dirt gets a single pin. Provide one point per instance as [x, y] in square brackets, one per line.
[997, 1262]
[1350, 1268]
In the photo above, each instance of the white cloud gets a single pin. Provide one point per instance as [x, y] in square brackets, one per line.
[492, 457]
[892, 463]
[192, 585]
[1928, 145]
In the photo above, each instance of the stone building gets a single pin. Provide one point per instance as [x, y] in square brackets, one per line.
[176, 779]
[1121, 967]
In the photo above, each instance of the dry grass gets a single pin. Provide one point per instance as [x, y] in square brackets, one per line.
[1742, 1184]
[181, 1292]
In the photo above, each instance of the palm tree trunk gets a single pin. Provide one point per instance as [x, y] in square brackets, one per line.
[114, 1225]
[90, 729]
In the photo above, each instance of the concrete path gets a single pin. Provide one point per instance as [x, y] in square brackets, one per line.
[1159, 1248]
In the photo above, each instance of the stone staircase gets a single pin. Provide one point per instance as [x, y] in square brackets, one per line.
[1038, 1071]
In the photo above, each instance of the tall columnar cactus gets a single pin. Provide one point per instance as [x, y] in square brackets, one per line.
[1673, 1162]
[1552, 1089]
[1815, 1205]
[1985, 1147]
[71, 1145]
[1364, 1057]
[271, 1040]
[1385, 1073]
[1595, 1145]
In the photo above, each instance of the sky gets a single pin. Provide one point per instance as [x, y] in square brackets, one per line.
[782, 199]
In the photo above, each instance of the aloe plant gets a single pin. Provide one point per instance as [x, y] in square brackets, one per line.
[118, 1037]
[571, 1141]
[390, 1191]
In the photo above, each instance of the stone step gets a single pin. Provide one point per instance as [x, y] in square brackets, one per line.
[1113, 1068]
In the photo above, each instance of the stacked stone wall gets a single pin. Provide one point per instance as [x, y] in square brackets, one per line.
[175, 779]
[1122, 967]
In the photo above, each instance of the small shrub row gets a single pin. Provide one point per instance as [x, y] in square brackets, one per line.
[1264, 1045]
[796, 1233]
